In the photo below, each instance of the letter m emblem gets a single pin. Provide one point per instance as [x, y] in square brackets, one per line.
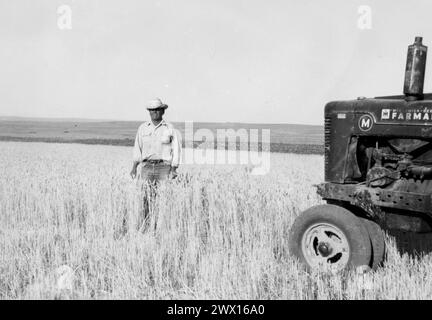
[365, 122]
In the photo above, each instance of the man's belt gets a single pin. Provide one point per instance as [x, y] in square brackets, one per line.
[155, 161]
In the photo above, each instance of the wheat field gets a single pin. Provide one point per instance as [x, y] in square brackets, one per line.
[217, 232]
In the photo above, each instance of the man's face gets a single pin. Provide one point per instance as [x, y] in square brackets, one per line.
[156, 114]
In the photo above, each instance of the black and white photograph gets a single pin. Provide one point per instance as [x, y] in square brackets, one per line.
[203, 150]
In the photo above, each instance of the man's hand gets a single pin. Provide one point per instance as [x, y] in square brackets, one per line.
[133, 172]
[173, 173]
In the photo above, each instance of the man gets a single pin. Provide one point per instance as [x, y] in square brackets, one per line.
[157, 146]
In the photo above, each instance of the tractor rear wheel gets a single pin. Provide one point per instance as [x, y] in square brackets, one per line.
[330, 238]
[376, 236]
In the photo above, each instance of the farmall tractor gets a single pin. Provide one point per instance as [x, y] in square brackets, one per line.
[378, 175]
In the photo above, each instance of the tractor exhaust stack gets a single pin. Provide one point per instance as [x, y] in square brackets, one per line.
[415, 70]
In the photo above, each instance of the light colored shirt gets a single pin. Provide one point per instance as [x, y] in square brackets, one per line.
[159, 142]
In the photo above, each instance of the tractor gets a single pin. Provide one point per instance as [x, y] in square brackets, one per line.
[378, 176]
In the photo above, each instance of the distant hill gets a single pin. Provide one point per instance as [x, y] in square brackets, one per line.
[283, 137]
[36, 119]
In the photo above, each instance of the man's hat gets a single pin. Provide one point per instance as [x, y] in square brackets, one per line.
[156, 104]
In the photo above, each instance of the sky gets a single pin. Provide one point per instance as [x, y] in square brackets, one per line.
[210, 61]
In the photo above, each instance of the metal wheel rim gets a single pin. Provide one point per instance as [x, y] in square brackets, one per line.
[325, 247]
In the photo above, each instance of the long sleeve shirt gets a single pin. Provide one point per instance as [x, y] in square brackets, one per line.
[161, 142]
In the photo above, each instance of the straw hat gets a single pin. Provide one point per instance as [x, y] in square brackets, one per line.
[156, 104]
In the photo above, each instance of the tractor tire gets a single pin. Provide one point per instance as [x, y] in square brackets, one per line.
[330, 238]
[376, 236]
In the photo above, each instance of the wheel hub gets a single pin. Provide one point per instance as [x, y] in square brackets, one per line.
[324, 249]
[325, 246]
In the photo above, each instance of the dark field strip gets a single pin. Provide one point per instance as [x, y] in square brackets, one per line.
[274, 147]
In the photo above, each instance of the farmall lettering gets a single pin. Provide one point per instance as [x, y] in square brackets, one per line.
[407, 116]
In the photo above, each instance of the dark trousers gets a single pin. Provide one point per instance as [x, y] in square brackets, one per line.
[154, 172]
[151, 174]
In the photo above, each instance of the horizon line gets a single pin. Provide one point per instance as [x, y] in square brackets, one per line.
[5, 117]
